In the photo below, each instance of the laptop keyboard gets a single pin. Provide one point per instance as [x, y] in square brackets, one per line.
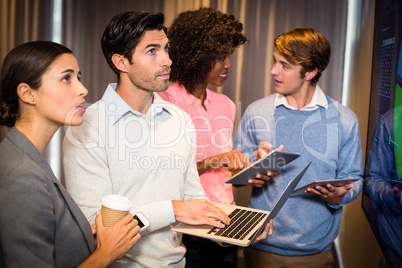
[242, 221]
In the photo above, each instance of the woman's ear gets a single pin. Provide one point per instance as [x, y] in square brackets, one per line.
[26, 93]
[120, 62]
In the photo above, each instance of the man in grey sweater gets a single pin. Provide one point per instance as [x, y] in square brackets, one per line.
[136, 145]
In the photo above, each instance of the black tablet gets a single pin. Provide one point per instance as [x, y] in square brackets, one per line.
[335, 182]
[273, 161]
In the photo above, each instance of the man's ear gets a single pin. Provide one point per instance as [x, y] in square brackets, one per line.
[120, 62]
[26, 93]
[310, 75]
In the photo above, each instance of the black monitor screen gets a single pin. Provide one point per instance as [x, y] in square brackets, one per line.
[382, 200]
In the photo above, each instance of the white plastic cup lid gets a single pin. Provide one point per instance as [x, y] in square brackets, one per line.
[116, 202]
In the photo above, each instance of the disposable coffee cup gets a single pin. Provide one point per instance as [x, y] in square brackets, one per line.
[114, 207]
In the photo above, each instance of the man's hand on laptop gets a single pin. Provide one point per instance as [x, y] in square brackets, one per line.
[199, 211]
[268, 230]
[261, 179]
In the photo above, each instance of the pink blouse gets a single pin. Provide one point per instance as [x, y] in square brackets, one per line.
[214, 127]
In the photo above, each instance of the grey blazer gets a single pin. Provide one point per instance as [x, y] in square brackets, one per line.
[40, 224]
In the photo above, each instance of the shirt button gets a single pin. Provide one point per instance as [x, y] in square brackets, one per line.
[112, 107]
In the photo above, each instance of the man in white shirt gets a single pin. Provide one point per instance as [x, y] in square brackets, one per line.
[136, 145]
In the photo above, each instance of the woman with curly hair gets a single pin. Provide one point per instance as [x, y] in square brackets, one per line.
[201, 42]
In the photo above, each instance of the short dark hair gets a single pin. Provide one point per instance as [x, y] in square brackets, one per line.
[196, 39]
[26, 63]
[306, 47]
[124, 32]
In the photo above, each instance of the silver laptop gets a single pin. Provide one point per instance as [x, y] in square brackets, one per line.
[245, 223]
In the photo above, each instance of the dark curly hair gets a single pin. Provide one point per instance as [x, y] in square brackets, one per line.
[26, 63]
[197, 38]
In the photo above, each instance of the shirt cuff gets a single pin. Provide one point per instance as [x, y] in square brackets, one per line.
[170, 212]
